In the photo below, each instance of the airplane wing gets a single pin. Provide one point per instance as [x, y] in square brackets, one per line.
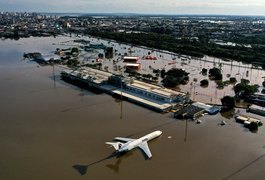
[144, 147]
[123, 139]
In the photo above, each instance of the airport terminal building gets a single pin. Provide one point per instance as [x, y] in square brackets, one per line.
[152, 96]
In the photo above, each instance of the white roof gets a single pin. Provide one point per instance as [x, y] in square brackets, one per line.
[143, 100]
[131, 64]
[154, 89]
[130, 57]
[202, 105]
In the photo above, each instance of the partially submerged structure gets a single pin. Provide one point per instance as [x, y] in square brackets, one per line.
[251, 123]
[207, 108]
[148, 95]
[40, 59]
[131, 62]
[256, 110]
[86, 77]
[258, 98]
[189, 112]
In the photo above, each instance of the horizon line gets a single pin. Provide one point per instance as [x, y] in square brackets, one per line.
[135, 14]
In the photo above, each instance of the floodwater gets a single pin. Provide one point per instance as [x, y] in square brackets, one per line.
[53, 130]
[193, 66]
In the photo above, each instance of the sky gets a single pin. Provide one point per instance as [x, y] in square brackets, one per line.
[224, 7]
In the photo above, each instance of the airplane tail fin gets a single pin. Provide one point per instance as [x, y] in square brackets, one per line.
[116, 145]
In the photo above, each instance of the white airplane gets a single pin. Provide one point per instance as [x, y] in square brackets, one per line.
[133, 143]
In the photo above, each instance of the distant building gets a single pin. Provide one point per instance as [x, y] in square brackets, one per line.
[130, 59]
[133, 66]
[131, 63]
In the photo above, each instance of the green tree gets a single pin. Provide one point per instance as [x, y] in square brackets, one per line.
[228, 102]
[163, 73]
[74, 50]
[204, 71]
[16, 34]
[245, 81]
[253, 127]
[170, 82]
[149, 76]
[244, 90]
[72, 63]
[232, 80]
[175, 72]
[216, 73]
[175, 77]
[204, 82]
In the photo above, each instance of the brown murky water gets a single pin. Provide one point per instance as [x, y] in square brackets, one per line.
[53, 130]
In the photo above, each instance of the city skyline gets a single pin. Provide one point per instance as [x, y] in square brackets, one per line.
[222, 7]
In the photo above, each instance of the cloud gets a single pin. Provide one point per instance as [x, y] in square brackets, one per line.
[138, 6]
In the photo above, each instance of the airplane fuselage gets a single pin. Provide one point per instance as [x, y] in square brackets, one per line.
[135, 143]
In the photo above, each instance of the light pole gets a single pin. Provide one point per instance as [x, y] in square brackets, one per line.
[121, 95]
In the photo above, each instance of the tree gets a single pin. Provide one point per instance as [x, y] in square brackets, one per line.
[253, 126]
[100, 55]
[203, 38]
[244, 90]
[168, 81]
[156, 71]
[72, 63]
[149, 76]
[218, 77]
[16, 34]
[175, 77]
[204, 71]
[109, 52]
[204, 82]
[175, 72]
[228, 102]
[220, 84]
[155, 78]
[131, 71]
[74, 50]
[216, 73]
[163, 73]
[232, 80]
[245, 81]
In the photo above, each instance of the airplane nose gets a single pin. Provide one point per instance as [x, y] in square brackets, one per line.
[159, 133]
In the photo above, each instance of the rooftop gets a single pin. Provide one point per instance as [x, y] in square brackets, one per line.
[155, 89]
[85, 73]
[143, 100]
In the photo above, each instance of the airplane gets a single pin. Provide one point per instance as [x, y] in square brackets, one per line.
[130, 144]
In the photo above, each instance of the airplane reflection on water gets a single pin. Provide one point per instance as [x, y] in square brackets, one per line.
[122, 151]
